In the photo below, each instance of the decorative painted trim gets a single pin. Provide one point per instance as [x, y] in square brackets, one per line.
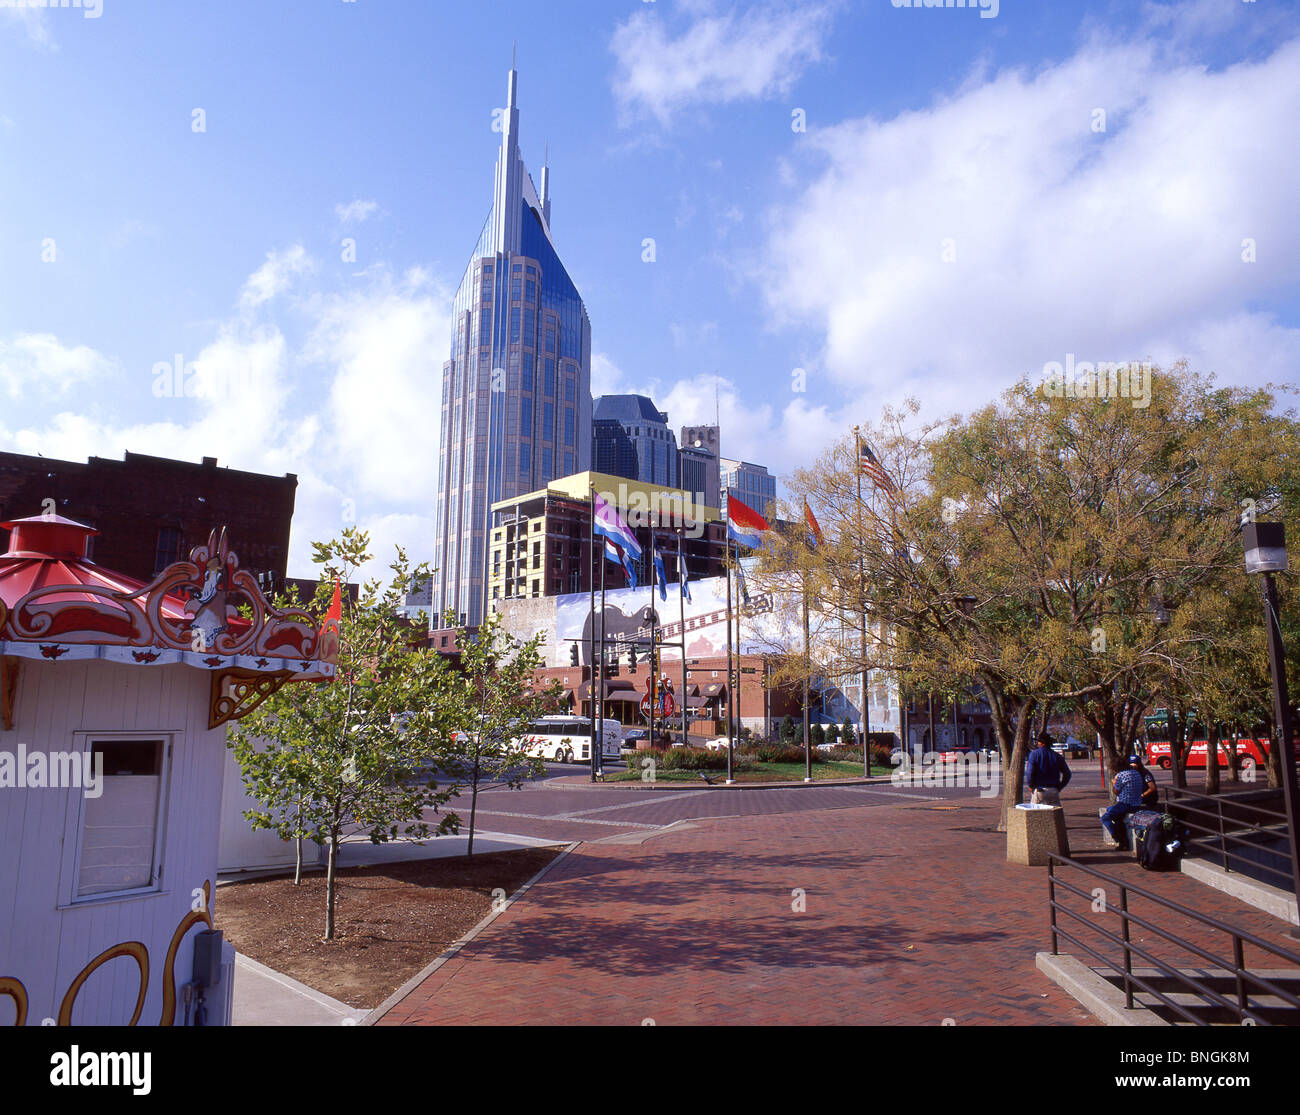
[236, 693]
[18, 993]
[168, 1016]
[190, 613]
[8, 687]
[134, 949]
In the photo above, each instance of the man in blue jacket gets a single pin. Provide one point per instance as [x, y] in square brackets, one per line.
[1046, 773]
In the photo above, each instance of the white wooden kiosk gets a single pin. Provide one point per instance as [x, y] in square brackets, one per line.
[113, 699]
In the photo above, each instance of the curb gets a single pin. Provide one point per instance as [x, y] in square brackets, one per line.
[453, 950]
[347, 1015]
[874, 780]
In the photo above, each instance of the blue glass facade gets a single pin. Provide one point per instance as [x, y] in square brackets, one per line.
[505, 429]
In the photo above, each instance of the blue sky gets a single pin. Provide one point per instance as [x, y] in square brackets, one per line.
[951, 218]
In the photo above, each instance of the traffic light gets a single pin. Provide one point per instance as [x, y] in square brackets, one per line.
[631, 658]
[573, 654]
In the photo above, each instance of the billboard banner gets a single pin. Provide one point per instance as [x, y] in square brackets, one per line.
[628, 618]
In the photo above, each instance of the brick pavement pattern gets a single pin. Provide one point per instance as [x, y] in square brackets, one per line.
[913, 917]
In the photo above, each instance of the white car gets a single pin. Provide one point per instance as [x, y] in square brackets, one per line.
[717, 743]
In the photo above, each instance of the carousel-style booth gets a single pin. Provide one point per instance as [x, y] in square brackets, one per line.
[114, 696]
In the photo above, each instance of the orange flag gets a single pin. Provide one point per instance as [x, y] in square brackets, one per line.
[811, 520]
[329, 628]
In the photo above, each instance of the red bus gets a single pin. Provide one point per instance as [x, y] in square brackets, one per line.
[1250, 753]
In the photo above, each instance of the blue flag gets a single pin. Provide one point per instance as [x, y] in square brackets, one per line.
[681, 576]
[663, 577]
[617, 554]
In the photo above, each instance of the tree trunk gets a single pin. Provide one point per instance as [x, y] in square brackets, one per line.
[1212, 760]
[473, 806]
[297, 848]
[331, 864]
[1274, 757]
[1015, 749]
[1234, 763]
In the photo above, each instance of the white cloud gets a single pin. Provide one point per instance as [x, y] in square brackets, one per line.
[1109, 245]
[274, 277]
[745, 54]
[41, 362]
[353, 413]
[34, 24]
[385, 348]
[355, 212]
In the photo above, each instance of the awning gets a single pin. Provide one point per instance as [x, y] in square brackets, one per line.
[716, 689]
[613, 691]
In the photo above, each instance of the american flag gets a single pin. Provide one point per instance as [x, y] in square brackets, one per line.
[870, 466]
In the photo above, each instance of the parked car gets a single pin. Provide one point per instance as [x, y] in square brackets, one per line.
[633, 735]
[717, 743]
[1072, 747]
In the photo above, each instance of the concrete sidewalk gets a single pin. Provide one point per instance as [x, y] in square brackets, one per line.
[264, 997]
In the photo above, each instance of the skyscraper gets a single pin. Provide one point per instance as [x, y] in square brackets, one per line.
[632, 439]
[516, 392]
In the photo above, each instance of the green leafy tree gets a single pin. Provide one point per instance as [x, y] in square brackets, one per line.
[356, 751]
[817, 734]
[496, 682]
[848, 733]
[789, 731]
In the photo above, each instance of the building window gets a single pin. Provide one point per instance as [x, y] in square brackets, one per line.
[548, 420]
[568, 425]
[570, 390]
[568, 464]
[548, 460]
[525, 458]
[516, 289]
[549, 382]
[525, 415]
[168, 550]
[531, 289]
[119, 842]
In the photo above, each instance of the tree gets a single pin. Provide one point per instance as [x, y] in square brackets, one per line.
[848, 734]
[355, 751]
[496, 677]
[832, 733]
[817, 735]
[1053, 550]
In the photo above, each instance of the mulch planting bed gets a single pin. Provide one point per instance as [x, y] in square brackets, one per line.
[390, 919]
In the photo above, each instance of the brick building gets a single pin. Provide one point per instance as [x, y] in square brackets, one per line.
[540, 542]
[151, 510]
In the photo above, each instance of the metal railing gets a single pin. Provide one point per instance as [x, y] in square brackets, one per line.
[1191, 984]
[1237, 832]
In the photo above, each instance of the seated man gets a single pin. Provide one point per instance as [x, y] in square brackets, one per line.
[1130, 786]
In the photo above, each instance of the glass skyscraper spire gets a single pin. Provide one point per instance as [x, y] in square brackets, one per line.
[516, 392]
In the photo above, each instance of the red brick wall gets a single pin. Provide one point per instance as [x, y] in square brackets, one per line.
[130, 501]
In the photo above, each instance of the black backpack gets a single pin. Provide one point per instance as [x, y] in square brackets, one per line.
[1164, 842]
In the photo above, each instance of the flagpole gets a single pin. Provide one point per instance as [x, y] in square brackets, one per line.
[807, 666]
[681, 600]
[591, 642]
[731, 743]
[652, 577]
[600, 763]
[740, 607]
[862, 590]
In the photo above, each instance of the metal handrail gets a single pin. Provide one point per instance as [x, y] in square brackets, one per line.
[1187, 980]
[1183, 800]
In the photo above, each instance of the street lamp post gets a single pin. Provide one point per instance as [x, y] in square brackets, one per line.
[1265, 545]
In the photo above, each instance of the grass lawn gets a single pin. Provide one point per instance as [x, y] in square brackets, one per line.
[391, 919]
[765, 772]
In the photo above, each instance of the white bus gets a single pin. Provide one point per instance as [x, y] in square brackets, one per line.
[567, 739]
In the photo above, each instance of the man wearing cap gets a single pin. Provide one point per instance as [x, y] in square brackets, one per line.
[1130, 786]
[1046, 773]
